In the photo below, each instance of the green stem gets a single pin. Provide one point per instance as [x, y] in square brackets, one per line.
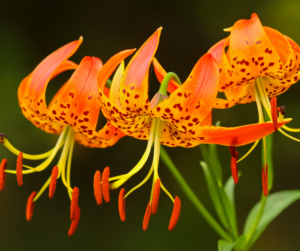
[164, 84]
[108, 83]
[251, 233]
[191, 195]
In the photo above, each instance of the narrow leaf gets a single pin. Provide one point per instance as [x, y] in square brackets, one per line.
[215, 163]
[275, 204]
[225, 245]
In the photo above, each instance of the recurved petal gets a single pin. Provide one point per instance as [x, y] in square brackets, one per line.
[190, 103]
[76, 103]
[134, 85]
[35, 89]
[43, 123]
[161, 73]
[235, 136]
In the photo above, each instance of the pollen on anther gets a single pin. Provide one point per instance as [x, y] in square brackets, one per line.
[265, 179]
[155, 199]
[74, 202]
[30, 206]
[147, 217]
[53, 181]
[274, 112]
[74, 223]
[105, 184]
[175, 213]
[2, 173]
[233, 165]
[121, 204]
[97, 187]
[19, 169]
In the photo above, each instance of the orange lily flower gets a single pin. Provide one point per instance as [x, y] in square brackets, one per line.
[256, 63]
[73, 113]
[181, 119]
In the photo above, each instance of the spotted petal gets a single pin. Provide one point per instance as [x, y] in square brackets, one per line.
[44, 123]
[190, 103]
[134, 85]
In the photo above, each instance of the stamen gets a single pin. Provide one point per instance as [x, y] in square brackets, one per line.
[2, 136]
[74, 203]
[74, 223]
[234, 166]
[122, 204]
[30, 206]
[175, 213]
[105, 184]
[53, 182]
[265, 179]
[19, 169]
[282, 110]
[2, 173]
[155, 199]
[274, 112]
[147, 217]
[97, 187]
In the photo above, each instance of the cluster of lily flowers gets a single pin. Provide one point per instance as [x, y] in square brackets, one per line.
[254, 63]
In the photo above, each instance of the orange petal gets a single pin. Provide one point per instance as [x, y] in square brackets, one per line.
[19, 169]
[98, 187]
[161, 73]
[2, 173]
[76, 103]
[30, 206]
[190, 103]
[147, 217]
[155, 199]
[235, 136]
[75, 222]
[175, 213]
[134, 86]
[122, 204]
[53, 181]
[74, 202]
[207, 121]
[105, 184]
[34, 94]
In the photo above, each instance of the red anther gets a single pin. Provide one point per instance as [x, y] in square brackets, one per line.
[122, 204]
[234, 166]
[97, 187]
[175, 213]
[74, 223]
[105, 184]
[74, 202]
[19, 169]
[53, 181]
[147, 217]
[265, 179]
[2, 173]
[274, 112]
[232, 150]
[30, 206]
[155, 199]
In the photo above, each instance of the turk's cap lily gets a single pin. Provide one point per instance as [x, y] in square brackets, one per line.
[254, 51]
[76, 104]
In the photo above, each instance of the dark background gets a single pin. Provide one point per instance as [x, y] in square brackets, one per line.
[30, 30]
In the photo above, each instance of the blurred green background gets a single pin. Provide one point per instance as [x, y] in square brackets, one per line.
[30, 30]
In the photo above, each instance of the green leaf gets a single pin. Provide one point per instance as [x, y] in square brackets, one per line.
[229, 189]
[240, 242]
[214, 195]
[225, 245]
[275, 204]
[215, 163]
